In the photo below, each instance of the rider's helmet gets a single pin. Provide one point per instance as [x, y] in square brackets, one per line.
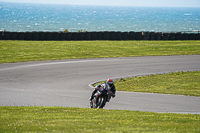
[110, 82]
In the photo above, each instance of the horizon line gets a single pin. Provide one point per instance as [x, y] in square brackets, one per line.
[42, 3]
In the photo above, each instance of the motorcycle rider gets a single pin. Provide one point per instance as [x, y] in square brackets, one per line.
[109, 82]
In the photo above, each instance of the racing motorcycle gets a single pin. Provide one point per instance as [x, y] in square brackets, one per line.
[102, 96]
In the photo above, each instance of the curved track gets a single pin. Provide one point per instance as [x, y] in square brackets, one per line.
[65, 83]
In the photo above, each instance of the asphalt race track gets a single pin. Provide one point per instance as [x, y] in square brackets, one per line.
[66, 83]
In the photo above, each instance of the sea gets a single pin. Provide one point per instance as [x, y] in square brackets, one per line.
[21, 17]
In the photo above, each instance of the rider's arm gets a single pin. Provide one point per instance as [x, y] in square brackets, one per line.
[114, 89]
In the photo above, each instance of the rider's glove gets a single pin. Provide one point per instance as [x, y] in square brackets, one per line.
[98, 86]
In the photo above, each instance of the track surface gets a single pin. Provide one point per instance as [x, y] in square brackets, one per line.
[65, 83]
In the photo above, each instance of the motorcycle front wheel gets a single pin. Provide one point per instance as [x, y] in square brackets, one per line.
[98, 102]
[102, 102]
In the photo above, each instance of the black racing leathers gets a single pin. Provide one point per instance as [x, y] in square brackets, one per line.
[112, 88]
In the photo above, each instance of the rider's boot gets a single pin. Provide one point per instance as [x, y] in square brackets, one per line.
[108, 99]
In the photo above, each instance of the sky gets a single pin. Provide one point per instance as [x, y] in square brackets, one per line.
[148, 3]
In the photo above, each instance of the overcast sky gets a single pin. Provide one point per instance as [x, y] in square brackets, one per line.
[154, 3]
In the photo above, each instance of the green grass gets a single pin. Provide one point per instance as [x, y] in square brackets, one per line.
[61, 119]
[23, 51]
[181, 83]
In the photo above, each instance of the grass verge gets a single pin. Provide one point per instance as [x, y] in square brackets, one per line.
[22, 51]
[61, 119]
[180, 83]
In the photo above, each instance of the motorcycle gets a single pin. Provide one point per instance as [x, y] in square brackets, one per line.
[102, 96]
